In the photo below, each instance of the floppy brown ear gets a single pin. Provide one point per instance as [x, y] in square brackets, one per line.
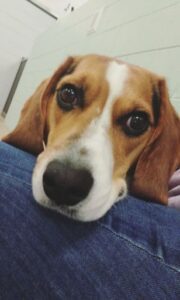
[27, 135]
[30, 130]
[161, 157]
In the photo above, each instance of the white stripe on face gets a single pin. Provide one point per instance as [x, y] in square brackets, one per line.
[99, 146]
[116, 76]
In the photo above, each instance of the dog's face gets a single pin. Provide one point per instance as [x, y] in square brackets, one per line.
[102, 121]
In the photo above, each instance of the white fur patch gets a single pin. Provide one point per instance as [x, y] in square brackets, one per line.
[98, 158]
[116, 76]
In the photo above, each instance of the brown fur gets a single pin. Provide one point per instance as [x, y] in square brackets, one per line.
[154, 156]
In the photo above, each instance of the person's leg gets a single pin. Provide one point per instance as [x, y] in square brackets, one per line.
[131, 253]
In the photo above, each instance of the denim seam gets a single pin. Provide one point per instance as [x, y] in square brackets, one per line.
[160, 259]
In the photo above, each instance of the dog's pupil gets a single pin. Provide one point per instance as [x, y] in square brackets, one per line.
[68, 95]
[137, 122]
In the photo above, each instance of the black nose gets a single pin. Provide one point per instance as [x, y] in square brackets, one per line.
[66, 185]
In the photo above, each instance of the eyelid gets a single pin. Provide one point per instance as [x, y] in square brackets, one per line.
[69, 84]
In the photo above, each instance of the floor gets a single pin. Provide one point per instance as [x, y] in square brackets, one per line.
[3, 127]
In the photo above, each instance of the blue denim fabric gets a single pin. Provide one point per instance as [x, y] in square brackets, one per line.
[131, 253]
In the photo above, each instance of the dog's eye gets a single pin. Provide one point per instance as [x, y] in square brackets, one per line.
[135, 124]
[69, 97]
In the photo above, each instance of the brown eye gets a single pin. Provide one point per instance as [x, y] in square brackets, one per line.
[135, 124]
[69, 97]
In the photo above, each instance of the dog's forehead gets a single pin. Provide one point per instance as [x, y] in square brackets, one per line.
[130, 87]
[116, 73]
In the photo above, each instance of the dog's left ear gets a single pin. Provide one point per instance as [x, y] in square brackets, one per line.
[161, 157]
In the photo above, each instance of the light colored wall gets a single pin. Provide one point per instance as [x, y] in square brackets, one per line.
[60, 8]
[20, 24]
[141, 32]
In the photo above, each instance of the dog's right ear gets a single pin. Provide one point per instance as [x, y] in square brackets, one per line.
[30, 130]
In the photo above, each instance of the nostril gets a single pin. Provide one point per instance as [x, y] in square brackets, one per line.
[82, 183]
[50, 176]
[48, 179]
[66, 185]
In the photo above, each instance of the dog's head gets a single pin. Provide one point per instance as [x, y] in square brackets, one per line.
[106, 124]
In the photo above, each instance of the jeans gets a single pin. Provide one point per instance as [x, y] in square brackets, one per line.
[133, 252]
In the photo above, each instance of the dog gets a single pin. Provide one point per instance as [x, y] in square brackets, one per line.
[100, 127]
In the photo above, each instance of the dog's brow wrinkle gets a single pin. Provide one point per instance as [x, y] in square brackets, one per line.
[156, 103]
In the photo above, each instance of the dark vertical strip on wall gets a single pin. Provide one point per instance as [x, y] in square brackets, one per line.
[14, 86]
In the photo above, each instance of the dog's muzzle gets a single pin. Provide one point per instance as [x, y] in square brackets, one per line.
[65, 184]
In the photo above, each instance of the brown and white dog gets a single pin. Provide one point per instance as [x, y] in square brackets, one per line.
[106, 125]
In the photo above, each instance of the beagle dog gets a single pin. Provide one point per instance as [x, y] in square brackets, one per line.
[107, 127]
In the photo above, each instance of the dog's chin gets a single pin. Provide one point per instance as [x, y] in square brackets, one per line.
[79, 213]
[90, 209]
